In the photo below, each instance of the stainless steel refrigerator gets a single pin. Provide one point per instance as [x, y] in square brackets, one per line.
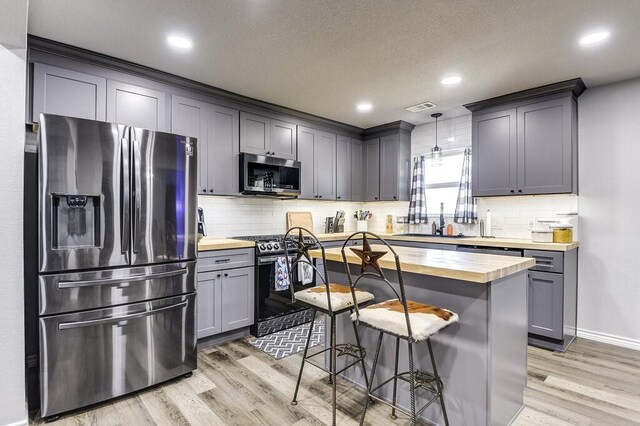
[117, 249]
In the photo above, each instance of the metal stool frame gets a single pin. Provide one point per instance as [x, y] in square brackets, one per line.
[417, 379]
[347, 349]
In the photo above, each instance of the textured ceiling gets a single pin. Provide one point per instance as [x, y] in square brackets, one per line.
[323, 57]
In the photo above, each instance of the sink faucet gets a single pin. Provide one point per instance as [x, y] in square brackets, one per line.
[440, 230]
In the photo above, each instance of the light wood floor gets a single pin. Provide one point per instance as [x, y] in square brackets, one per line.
[235, 384]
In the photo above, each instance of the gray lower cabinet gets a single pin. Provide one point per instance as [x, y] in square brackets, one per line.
[136, 106]
[357, 171]
[343, 168]
[317, 156]
[545, 304]
[216, 129]
[65, 92]
[226, 291]
[265, 136]
[371, 175]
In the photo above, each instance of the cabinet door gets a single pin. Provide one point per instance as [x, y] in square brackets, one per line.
[283, 139]
[306, 149]
[237, 298]
[325, 165]
[389, 151]
[136, 106]
[494, 142]
[544, 147]
[343, 168]
[545, 304]
[65, 92]
[255, 134]
[372, 169]
[224, 149]
[357, 171]
[209, 304]
[190, 117]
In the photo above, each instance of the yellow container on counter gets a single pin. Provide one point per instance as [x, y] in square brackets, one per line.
[562, 233]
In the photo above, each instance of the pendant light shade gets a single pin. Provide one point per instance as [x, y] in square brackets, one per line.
[436, 151]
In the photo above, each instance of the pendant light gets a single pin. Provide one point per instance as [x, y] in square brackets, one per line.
[436, 151]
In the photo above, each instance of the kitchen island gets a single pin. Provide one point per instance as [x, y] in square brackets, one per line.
[482, 359]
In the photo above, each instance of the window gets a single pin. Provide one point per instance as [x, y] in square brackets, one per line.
[442, 181]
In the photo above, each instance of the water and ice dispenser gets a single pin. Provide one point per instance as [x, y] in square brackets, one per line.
[76, 221]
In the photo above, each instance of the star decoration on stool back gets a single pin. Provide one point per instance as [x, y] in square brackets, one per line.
[302, 247]
[368, 256]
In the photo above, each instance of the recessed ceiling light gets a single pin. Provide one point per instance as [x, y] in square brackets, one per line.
[594, 38]
[180, 42]
[453, 79]
[451, 139]
[364, 106]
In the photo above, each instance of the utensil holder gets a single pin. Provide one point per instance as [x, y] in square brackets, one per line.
[362, 225]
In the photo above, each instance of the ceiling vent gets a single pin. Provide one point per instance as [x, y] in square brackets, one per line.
[421, 107]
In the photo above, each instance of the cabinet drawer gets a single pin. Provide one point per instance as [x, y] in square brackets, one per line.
[548, 261]
[224, 259]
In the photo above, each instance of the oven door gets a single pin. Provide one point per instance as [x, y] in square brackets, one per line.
[273, 298]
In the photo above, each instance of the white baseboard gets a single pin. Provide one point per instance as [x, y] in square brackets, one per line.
[20, 423]
[609, 338]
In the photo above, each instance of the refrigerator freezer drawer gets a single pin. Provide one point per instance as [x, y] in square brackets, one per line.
[78, 291]
[93, 356]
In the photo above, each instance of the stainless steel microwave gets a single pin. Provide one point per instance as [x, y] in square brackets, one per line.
[269, 176]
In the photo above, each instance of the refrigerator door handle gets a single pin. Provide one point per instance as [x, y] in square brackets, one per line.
[108, 320]
[106, 281]
[125, 219]
[137, 186]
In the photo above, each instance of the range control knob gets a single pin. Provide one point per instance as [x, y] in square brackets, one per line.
[276, 246]
[262, 247]
[269, 246]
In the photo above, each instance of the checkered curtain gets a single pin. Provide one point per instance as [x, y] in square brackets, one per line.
[418, 203]
[466, 207]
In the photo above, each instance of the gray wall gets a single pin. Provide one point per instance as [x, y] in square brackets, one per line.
[13, 33]
[609, 185]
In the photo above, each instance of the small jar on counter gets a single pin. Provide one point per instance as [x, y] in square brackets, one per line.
[562, 233]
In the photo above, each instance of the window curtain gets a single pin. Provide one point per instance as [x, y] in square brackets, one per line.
[466, 207]
[418, 202]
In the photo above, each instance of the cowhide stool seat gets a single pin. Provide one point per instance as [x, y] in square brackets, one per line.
[403, 319]
[328, 298]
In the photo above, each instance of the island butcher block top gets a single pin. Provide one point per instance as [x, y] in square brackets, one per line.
[474, 267]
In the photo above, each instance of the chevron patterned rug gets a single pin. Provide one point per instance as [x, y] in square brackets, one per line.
[290, 341]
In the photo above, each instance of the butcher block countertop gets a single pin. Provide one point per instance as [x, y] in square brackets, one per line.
[474, 267]
[516, 243]
[208, 244]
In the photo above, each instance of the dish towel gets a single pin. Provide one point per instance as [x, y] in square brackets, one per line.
[418, 202]
[305, 273]
[281, 279]
[466, 207]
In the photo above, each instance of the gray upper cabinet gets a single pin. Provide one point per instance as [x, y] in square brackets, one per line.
[264, 136]
[65, 92]
[371, 157]
[224, 151]
[343, 168]
[283, 139]
[357, 171]
[317, 156]
[395, 153]
[217, 131]
[136, 106]
[494, 148]
[527, 142]
[190, 117]
[545, 147]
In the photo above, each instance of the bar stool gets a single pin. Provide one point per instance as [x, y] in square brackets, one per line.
[405, 320]
[328, 298]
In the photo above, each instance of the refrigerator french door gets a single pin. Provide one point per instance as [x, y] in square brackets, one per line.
[117, 252]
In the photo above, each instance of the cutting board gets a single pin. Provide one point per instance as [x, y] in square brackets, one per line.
[302, 219]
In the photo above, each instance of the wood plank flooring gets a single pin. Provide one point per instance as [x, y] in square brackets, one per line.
[235, 384]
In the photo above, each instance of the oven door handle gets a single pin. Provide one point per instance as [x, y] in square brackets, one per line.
[271, 259]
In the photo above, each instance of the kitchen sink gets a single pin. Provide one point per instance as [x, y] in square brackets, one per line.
[432, 236]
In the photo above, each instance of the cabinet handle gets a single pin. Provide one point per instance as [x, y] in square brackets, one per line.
[211, 190]
[519, 190]
[338, 197]
[394, 197]
[319, 196]
[226, 275]
[204, 189]
[375, 198]
[512, 191]
[219, 275]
